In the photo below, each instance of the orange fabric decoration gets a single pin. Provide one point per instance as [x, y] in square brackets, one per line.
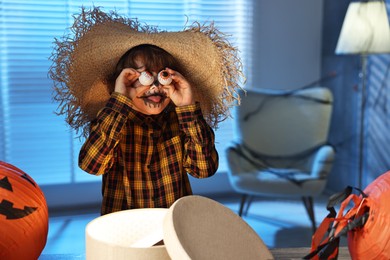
[24, 217]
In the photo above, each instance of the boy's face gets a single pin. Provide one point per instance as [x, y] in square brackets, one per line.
[149, 100]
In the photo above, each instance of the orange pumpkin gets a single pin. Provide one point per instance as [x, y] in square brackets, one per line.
[366, 223]
[372, 241]
[24, 217]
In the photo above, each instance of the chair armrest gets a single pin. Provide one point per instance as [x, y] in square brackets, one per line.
[323, 162]
[237, 164]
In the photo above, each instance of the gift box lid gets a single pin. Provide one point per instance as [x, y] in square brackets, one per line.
[194, 227]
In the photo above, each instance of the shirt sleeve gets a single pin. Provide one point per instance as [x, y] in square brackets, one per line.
[97, 155]
[200, 154]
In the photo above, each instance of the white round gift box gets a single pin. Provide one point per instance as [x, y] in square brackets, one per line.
[194, 227]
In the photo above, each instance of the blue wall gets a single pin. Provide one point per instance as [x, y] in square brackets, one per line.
[347, 90]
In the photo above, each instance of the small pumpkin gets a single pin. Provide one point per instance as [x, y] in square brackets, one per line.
[24, 217]
[372, 241]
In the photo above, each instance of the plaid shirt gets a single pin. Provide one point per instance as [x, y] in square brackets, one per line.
[145, 159]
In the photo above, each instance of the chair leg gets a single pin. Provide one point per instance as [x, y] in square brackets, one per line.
[243, 199]
[248, 204]
[308, 202]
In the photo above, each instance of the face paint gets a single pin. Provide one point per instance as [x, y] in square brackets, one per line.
[149, 99]
[154, 97]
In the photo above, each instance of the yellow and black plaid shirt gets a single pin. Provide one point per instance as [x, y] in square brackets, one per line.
[145, 159]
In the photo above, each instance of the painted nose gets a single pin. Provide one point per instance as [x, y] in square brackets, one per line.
[155, 85]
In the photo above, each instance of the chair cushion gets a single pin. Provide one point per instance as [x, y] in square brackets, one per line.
[269, 184]
[283, 124]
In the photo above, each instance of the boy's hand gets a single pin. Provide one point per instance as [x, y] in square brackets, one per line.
[180, 90]
[125, 80]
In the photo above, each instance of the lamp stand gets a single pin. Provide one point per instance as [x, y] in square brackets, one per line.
[362, 117]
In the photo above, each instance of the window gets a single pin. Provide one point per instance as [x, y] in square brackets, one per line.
[32, 137]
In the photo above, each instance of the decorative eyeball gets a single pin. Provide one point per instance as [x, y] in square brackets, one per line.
[146, 78]
[164, 78]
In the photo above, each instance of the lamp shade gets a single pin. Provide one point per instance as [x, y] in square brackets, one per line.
[365, 29]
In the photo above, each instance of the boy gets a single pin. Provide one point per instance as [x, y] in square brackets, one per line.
[144, 138]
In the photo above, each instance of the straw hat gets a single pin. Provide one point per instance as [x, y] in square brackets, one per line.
[85, 58]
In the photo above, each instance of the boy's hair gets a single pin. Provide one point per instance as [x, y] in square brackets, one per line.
[154, 58]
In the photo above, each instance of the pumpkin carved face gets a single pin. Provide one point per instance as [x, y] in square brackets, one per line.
[23, 215]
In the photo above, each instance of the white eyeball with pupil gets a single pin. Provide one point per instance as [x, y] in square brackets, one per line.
[146, 78]
[164, 78]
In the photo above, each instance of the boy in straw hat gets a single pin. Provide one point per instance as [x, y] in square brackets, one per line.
[146, 101]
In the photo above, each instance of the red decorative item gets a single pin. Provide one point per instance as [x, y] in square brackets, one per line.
[24, 217]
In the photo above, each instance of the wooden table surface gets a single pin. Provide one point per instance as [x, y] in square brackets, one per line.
[299, 252]
[278, 253]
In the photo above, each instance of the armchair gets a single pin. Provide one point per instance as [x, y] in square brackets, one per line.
[280, 147]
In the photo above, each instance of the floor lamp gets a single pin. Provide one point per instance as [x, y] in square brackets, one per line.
[365, 31]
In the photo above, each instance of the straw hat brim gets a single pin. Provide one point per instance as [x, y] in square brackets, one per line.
[83, 61]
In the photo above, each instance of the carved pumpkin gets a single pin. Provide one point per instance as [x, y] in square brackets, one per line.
[23, 215]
